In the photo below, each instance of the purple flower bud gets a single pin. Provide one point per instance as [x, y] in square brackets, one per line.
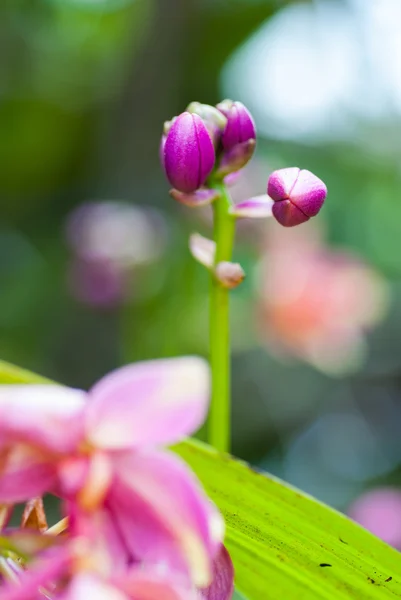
[297, 195]
[214, 119]
[189, 154]
[240, 124]
[235, 159]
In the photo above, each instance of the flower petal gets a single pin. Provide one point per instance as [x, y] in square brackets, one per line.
[201, 197]
[155, 402]
[24, 474]
[258, 207]
[202, 249]
[287, 214]
[281, 182]
[308, 193]
[47, 416]
[85, 586]
[164, 514]
[40, 574]
[143, 585]
[222, 587]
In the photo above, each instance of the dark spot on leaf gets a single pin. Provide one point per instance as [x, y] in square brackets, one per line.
[325, 565]
[342, 541]
[371, 580]
[388, 579]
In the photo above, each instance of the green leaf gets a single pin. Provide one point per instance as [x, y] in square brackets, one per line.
[12, 374]
[285, 545]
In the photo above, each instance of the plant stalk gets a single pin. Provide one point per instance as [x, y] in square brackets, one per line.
[219, 427]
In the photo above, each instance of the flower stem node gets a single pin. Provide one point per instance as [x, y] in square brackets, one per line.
[297, 194]
[230, 275]
[188, 154]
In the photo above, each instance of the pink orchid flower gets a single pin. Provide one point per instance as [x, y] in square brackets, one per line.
[78, 569]
[100, 451]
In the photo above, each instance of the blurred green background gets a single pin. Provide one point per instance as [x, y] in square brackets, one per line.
[85, 86]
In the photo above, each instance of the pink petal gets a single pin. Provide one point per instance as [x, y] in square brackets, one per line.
[287, 214]
[281, 183]
[47, 416]
[155, 402]
[308, 193]
[222, 587]
[141, 585]
[86, 586]
[24, 474]
[40, 574]
[201, 197]
[99, 530]
[164, 514]
[258, 207]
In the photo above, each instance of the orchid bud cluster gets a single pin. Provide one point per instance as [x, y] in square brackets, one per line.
[206, 147]
[203, 144]
[136, 523]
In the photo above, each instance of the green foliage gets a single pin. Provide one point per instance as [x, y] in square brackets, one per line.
[284, 544]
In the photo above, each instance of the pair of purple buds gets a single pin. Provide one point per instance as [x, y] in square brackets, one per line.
[206, 145]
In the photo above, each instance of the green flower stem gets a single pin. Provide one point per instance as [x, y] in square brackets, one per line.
[219, 432]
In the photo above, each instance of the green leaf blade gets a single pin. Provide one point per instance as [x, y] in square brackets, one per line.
[279, 537]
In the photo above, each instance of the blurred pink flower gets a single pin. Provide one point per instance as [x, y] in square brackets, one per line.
[379, 511]
[99, 451]
[316, 303]
[109, 241]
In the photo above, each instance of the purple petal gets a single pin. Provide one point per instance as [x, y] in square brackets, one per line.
[200, 197]
[47, 416]
[232, 178]
[258, 207]
[237, 157]
[222, 587]
[281, 183]
[189, 154]
[164, 514]
[240, 124]
[155, 402]
[308, 193]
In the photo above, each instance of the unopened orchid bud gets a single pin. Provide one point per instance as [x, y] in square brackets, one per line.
[214, 119]
[298, 195]
[229, 274]
[189, 154]
[235, 159]
[240, 126]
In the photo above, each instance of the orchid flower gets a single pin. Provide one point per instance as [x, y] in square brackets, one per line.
[100, 451]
